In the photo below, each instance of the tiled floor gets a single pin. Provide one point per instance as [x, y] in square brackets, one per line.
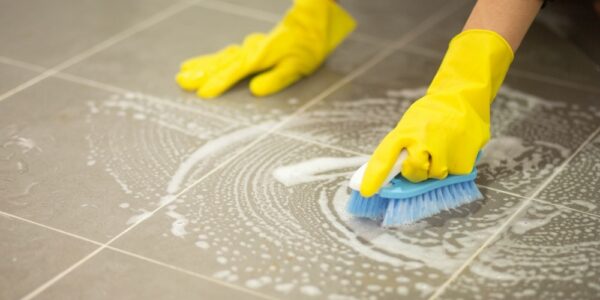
[116, 184]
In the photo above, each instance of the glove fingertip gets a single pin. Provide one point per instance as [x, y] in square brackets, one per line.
[367, 190]
[260, 88]
[373, 178]
[185, 81]
[208, 93]
[271, 82]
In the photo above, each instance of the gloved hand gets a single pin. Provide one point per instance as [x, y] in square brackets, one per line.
[444, 130]
[296, 47]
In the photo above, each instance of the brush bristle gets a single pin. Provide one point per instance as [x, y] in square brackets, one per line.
[371, 207]
[396, 212]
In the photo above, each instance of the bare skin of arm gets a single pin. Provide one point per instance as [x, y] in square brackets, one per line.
[509, 18]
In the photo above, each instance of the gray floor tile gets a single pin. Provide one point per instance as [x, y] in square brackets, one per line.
[578, 185]
[85, 160]
[47, 33]
[32, 255]
[532, 131]
[542, 51]
[11, 76]
[382, 19]
[149, 61]
[274, 220]
[546, 253]
[112, 275]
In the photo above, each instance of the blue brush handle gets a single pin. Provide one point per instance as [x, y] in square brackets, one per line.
[400, 188]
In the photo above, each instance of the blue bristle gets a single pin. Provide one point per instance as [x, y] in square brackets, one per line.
[372, 207]
[409, 210]
[396, 212]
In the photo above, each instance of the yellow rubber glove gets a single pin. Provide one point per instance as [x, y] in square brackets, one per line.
[444, 130]
[296, 47]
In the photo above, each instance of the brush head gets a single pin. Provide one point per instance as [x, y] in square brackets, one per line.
[403, 202]
[401, 211]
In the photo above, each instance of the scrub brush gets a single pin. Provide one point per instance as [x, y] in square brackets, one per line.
[401, 202]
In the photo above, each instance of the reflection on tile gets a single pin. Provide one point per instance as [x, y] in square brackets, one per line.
[578, 185]
[32, 255]
[47, 33]
[91, 162]
[274, 220]
[542, 51]
[11, 76]
[111, 275]
[546, 253]
[532, 133]
[149, 61]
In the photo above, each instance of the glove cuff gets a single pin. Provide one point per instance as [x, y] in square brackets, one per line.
[473, 68]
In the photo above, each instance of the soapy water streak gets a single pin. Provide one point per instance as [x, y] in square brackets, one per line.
[285, 202]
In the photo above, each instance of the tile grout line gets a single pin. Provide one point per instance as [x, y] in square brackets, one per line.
[501, 191]
[22, 64]
[9, 215]
[566, 208]
[538, 200]
[504, 225]
[153, 20]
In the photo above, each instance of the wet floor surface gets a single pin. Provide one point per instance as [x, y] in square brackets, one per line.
[116, 184]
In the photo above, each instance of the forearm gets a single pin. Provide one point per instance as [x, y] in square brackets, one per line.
[509, 18]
